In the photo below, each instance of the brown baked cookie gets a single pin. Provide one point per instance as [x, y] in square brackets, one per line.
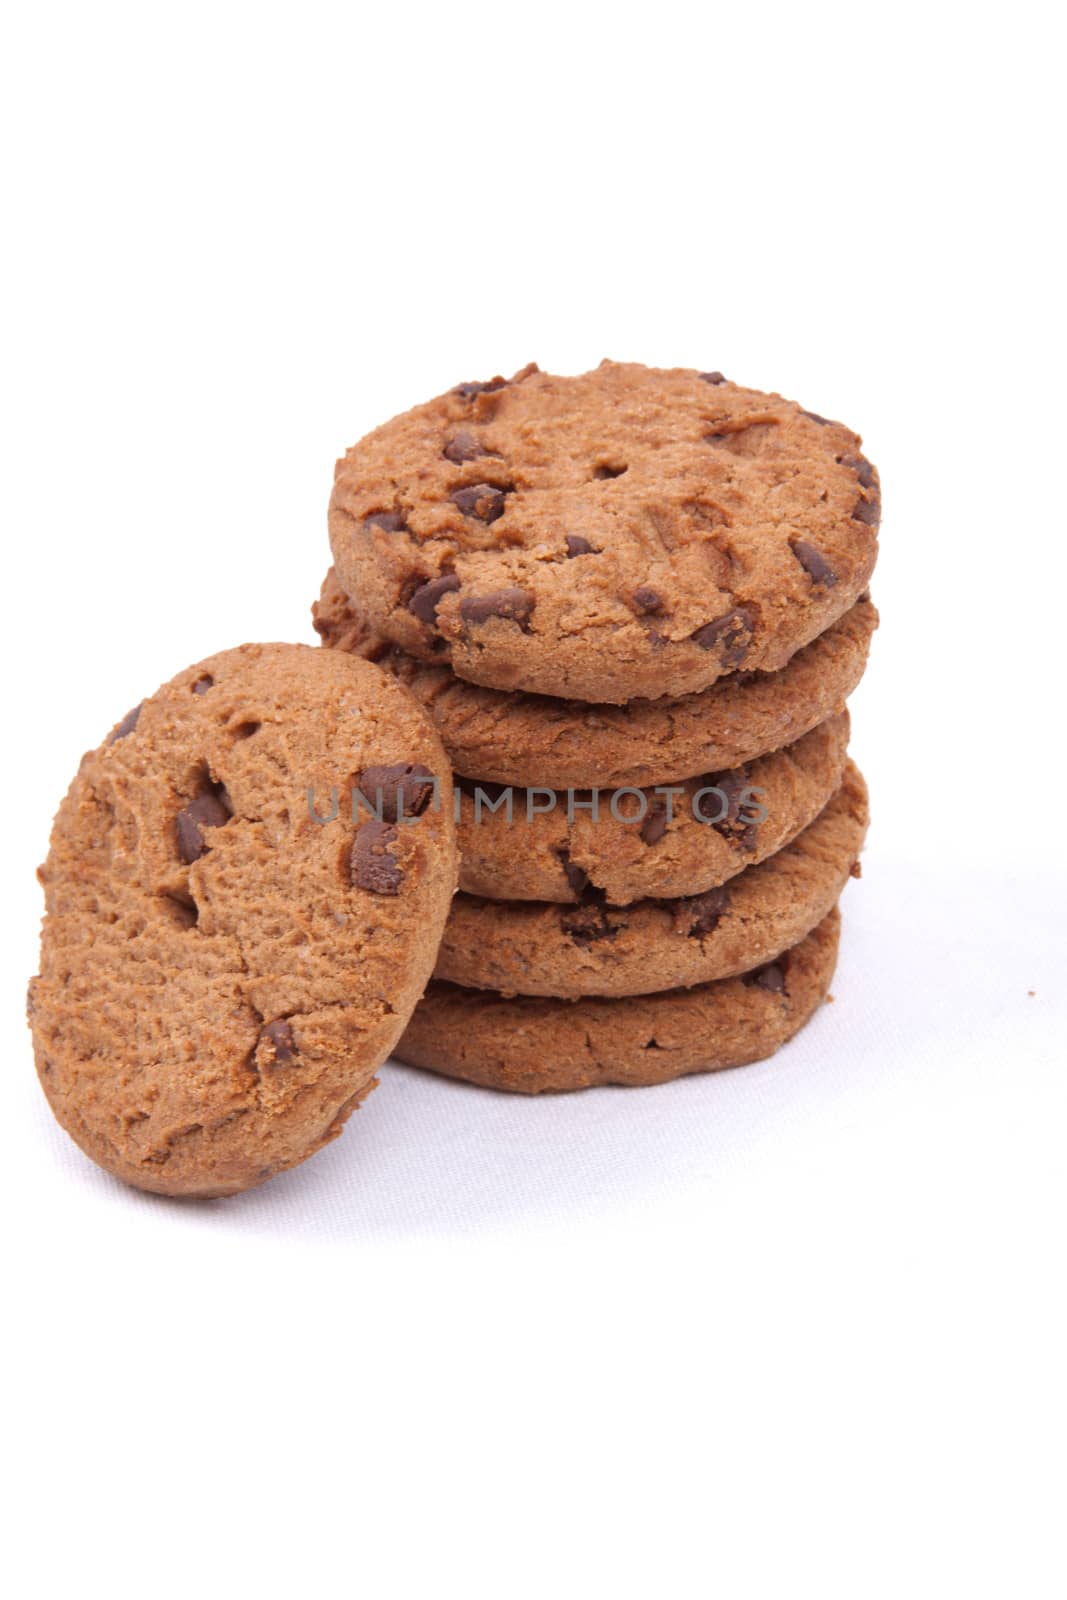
[226, 957]
[678, 840]
[630, 532]
[532, 1045]
[518, 947]
[530, 739]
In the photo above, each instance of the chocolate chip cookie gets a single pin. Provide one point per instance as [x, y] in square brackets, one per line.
[679, 839]
[529, 739]
[227, 956]
[592, 948]
[628, 533]
[532, 1045]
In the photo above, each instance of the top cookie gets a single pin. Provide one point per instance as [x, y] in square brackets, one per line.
[227, 956]
[628, 533]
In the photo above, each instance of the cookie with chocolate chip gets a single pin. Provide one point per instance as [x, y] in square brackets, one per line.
[530, 1046]
[523, 739]
[628, 533]
[595, 948]
[632, 844]
[245, 890]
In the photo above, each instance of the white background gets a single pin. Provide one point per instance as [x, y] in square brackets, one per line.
[795, 1330]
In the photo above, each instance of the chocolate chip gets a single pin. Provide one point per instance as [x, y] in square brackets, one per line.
[814, 563]
[813, 416]
[700, 913]
[733, 632]
[868, 511]
[606, 471]
[403, 790]
[577, 879]
[202, 685]
[485, 501]
[209, 810]
[467, 391]
[862, 468]
[655, 824]
[281, 1048]
[372, 864]
[388, 521]
[588, 924]
[771, 977]
[731, 825]
[126, 726]
[428, 596]
[711, 377]
[647, 600]
[512, 605]
[463, 446]
[577, 546]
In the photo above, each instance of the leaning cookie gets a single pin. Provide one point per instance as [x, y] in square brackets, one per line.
[544, 844]
[527, 739]
[226, 957]
[630, 532]
[533, 1045]
[566, 952]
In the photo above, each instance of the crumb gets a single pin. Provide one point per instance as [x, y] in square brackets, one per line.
[1031, 993]
[829, 999]
[855, 870]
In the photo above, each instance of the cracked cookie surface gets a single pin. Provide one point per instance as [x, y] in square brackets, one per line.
[592, 948]
[537, 739]
[533, 1046]
[632, 532]
[222, 971]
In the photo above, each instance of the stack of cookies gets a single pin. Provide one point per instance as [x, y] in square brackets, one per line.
[634, 604]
